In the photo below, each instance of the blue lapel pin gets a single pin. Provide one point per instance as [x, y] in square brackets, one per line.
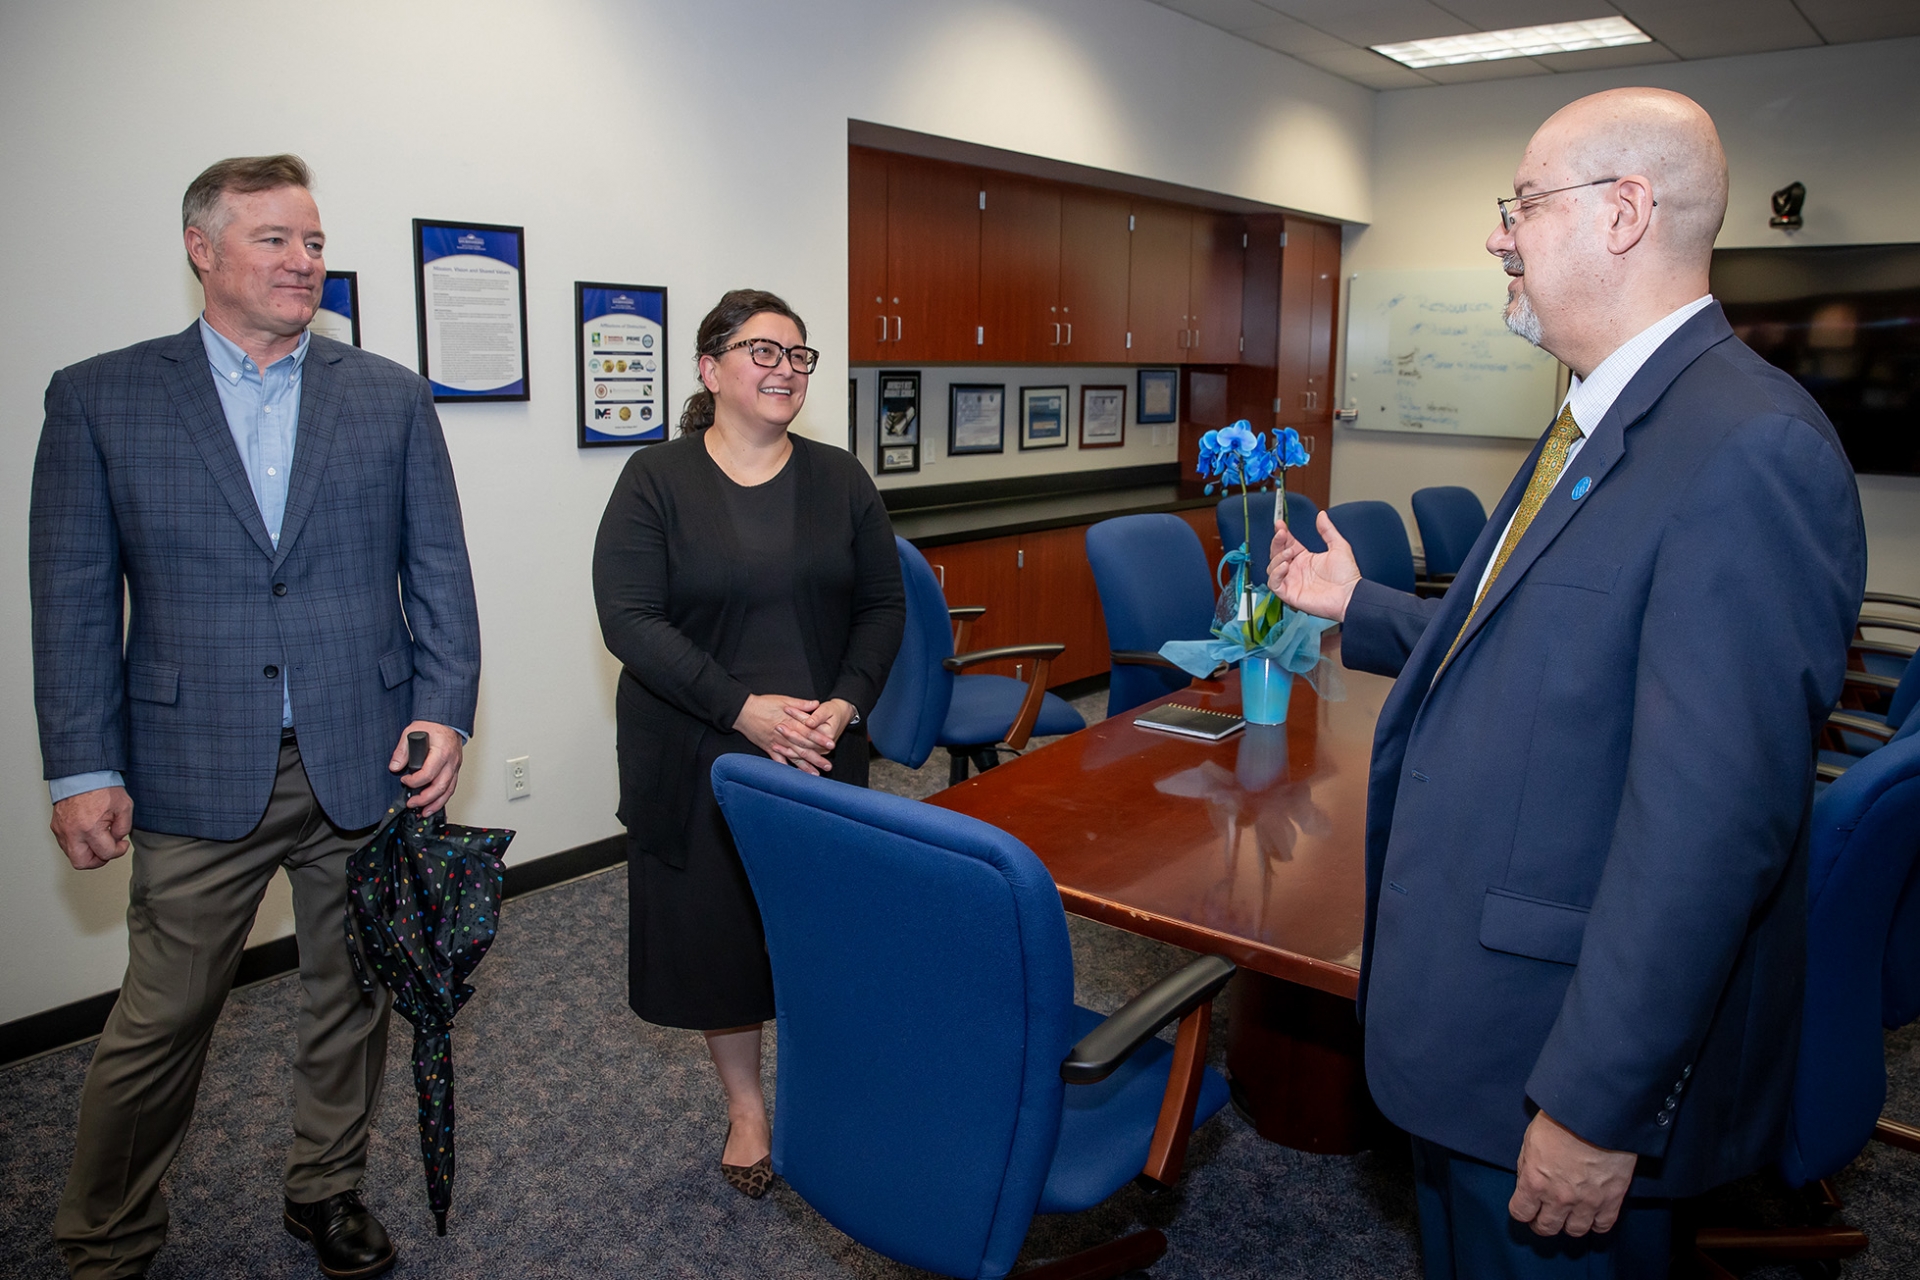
[1581, 486]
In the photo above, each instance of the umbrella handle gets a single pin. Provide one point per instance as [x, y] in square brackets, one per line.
[416, 751]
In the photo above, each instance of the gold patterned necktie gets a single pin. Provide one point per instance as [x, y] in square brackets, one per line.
[1553, 460]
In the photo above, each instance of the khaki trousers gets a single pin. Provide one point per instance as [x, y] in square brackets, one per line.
[191, 905]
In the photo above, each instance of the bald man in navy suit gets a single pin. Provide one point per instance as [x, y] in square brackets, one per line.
[1591, 786]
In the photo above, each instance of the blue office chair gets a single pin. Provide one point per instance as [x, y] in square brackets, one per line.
[924, 990]
[1886, 651]
[1450, 518]
[1155, 585]
[1233, 529]
[1852, 734]
[1863, 924]
[927, 704]
[1379, 541]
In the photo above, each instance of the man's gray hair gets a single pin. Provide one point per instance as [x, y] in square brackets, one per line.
[203, 207]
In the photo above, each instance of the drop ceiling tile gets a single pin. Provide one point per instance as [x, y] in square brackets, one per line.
[1841, 21]
[1721, 28]
[1228, 15]
[1369, 22]
[1289, 36]
[1503, 15]
[1471, 72]
[1365, 67]
[1626, 55]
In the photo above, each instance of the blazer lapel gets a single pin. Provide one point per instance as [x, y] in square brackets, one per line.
[313, 442]
[1605, 446]
[189, 382]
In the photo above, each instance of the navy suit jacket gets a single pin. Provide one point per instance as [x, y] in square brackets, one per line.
[366, 606]
[1586, 840]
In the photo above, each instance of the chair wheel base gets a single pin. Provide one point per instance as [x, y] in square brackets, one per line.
[1107, 1261]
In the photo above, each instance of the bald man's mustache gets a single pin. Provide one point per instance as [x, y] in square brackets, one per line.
[1511, 261]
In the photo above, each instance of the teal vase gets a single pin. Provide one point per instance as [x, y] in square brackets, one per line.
[1265, 687]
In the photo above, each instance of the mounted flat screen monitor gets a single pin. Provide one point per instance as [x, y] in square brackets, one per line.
[1845, 322]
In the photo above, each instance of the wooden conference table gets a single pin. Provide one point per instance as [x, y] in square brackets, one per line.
[1251, 848]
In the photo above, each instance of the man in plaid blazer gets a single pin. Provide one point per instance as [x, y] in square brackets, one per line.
[276, 515]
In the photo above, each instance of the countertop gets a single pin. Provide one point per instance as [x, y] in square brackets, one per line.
[973, 521]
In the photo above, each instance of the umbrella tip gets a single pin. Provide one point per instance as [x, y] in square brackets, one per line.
[439, 1222]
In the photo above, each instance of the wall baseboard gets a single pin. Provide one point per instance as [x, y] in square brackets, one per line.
[69, 1024]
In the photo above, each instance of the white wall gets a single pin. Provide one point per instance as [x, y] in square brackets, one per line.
[692, 145]
[1845, 120]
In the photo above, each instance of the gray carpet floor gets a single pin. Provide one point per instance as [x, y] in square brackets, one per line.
[588, 1141]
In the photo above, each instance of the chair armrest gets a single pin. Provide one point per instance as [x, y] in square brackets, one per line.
[963, 617]
[1860, 724]
[1102, 1050]
[1887, 597]
[1828, 772]
[1895, 1134]
[1887, 623]
[1871, 680]
[1029, 713]
[961, 661]
[1141, 658]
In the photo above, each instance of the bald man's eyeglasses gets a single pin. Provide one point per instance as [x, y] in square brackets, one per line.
[1511, 206]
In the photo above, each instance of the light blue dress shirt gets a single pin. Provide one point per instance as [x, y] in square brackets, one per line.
[263, 413]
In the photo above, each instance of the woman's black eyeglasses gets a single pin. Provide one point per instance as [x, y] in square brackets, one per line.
[766, 353]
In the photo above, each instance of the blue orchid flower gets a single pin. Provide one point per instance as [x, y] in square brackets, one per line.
[1240, 438]
[1287, 445]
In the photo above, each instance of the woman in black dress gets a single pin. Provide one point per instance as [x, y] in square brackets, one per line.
[746, 579]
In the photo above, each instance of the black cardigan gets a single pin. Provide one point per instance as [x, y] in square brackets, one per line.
[671, 586]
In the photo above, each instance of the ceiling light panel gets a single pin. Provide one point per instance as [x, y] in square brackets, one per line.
[1516, 42]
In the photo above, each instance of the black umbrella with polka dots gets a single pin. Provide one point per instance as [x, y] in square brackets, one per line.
[423, 902]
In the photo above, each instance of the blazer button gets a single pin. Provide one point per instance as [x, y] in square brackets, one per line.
[279, 588]
[271, 673]
[1663, 1119]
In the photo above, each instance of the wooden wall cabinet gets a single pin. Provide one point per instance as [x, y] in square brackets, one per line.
[1037, 588]
[1095, 247]
[1305, 396]
[947, 263]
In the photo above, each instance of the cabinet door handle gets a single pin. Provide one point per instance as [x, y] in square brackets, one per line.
[1196, 339]
[940, 571]
[898, 328]
[1020, 559]
[1307, 441]
[883, 328]
[1069, 333]
[1056, 334]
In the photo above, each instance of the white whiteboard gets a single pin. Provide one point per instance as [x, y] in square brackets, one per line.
[1429, 351]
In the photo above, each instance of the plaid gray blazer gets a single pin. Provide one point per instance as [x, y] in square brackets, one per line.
[367, 605]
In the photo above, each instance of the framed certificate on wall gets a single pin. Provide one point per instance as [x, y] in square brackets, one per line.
[976, 418]
[620, 363]
[1043, 417]
[339, 314]
[470, 292]
[897, 446]
[1159, 396]
[1103, 417]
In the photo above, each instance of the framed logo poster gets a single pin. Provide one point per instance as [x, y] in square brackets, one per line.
[898, 443]
[620, 363]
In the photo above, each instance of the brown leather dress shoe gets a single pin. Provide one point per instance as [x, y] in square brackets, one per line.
[348, 1239]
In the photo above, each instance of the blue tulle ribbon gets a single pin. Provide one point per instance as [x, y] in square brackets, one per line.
[1294, 644]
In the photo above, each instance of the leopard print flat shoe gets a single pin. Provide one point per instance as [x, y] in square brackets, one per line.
[750, 1180]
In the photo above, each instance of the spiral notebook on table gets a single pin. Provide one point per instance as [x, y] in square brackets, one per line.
[1191, 722]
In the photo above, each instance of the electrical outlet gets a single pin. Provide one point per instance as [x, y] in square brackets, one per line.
[519, 777]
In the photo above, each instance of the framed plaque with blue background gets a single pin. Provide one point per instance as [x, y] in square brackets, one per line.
[470, 291]
[339, 314]
[1159, 396]
[620, 358]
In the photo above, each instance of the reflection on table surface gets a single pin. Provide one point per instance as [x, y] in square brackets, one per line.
[1252, 847]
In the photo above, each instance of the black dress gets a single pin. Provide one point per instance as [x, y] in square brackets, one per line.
[709, 591]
